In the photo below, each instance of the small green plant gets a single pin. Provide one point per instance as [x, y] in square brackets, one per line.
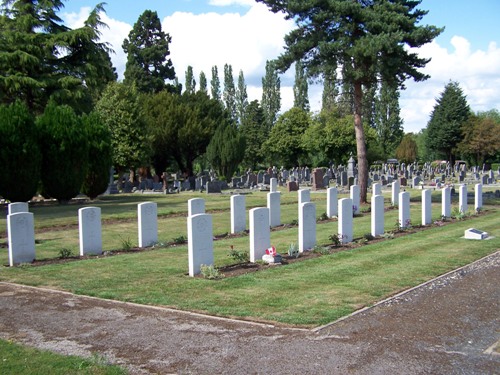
[388, 235]
[458, 214]
[210, 272]
[294, 222]
[238, 256]
[336, 241]
[323, 217]
[323, 250]
[126, 244]
[293, 250]
[65, 253]
[179, 240]
[368, 237]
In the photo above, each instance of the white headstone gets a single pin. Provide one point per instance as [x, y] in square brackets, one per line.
[17, 207]
[426, 207]
[89, 222]
[395, 193]
[355, 197]
[200, 242]
[260, 234]
[238, 214]
[377, 189]
[147, 223]
[332, 202]
[377, 227]
[404, 209]
[446, 202]
[196, 206]
[462, 199]
[273, 184]
[345, 220]
[273, 203]
[307, 226]
[21, 237]
[478, 197]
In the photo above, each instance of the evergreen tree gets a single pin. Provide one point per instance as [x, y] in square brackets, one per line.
[369, 39]
[203, 82]
[190, 82]
[255, 130]
[271, 96]
[20, 155]
[229, 94]
[407, 151]
[226, 149]
[300, 88]
[147, 49]
[369, 93]
[215, 84]
[43, 60]
[330, 90]
[388, 123]
[65, 154]
[241, 97]
[444, 129]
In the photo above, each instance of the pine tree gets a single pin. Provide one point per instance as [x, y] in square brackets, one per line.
[330, 90]
[369, 39]
[229, 94]
[147, 49]
[388, 123]
[203, 82]
[300, 88]
[215, 84]
[271, 96]
[444, 129]
[255, 130]
[190, 82]
[241, 97]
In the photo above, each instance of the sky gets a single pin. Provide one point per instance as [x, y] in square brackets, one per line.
[245, 34]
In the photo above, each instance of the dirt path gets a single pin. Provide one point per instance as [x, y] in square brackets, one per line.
[445, 326]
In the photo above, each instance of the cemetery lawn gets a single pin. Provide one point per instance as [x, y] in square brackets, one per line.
[307, 293]
[18, 359]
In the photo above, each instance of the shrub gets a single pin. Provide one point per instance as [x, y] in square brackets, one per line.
[210, 272]
[239, 256]
[293, 250]
[20, 155]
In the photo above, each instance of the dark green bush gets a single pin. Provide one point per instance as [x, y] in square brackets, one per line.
[20, 157]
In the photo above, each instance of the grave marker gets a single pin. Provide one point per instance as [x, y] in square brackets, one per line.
[377, 189]
[273, 204]
[377, 218]
[446, 202]
[331, 202]
[21, 237]
[404, 210]
[147, 223]
[200, 242]
[89, 222]
[478, 197]
[18, 207]
[355, 197]
[307, 226]
[426, 207]
[260, 234]
[395, 193]
[238, 214]
[345, 220]
[196, 206]
[462, 199]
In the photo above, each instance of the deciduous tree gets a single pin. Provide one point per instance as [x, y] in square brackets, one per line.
[271, 95]
[300, 88]
[407, 151]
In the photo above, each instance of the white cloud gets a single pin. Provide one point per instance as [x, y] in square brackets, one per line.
[224, 3]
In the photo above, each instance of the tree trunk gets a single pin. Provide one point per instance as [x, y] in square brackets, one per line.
[360, 143]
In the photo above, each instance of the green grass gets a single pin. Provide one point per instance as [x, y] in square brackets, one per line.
[18, 359]
[307, 293]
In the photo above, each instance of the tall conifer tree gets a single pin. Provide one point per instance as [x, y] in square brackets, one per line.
[241, 97]
[229, 94]
[271, 96]
[300, 88]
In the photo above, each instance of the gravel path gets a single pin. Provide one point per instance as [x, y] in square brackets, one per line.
[447, 326]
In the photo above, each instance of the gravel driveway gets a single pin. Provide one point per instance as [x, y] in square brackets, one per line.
[447, 326]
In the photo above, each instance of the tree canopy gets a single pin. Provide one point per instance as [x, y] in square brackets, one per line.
[369, 40]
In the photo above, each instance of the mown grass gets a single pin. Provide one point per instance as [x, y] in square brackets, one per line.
[307, 293]
[18, 359]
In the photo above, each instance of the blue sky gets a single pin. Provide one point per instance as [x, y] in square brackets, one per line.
[245, 34]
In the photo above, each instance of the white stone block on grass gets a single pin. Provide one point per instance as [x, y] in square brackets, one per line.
[21, 237]
[273, 203]
[260, 234]
[200, 242]
[307, 226]
[196, 206]
[377, 215]
[332, 202]
[395, 193]
[238, 214]
[147, 215]
[17, 207]
[462, 199]
[89, 223]
[355, 197]
[446, 202]
[426, 207]
[345, 220]
[404, 210]
[478, 197]
[475, 234]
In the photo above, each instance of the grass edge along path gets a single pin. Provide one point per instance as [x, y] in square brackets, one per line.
[307, 293]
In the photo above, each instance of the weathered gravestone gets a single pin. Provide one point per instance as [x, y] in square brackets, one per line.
[200, 242]
[292, 186]
[317, 179]
[89, 221]
[147, 223]
[21, 238]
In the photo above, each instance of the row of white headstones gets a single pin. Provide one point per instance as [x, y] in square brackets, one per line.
[21, 238]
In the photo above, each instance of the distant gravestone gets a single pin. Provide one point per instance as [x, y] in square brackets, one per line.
[345, 220]
[273, 185]
[307, 226]
[377, 218]
[196, 206]
[395, 193]
[89, 221]
[273, 204]
[304, 196]
[426, 207]
[317, 179]
[484, 179]
[238, 214]
[214, 187]
[18, 207]
[446, 202]
[292, 186]
[21, 237]
[200, 242]
[355, 197]
[147, 223]
[404, 210]
[377, 189]
[260, 234]
[331, 202]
